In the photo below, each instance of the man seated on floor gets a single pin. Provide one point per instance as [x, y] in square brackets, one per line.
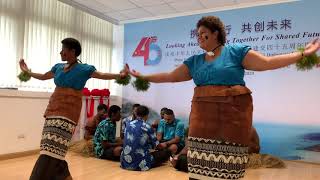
[171, 132]
[139, 139]
[105, 144]
[128, 119]
[93, 124]
[156, 122]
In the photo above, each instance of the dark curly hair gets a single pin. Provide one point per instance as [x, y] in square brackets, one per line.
[168, 112]
[142, 111]
[113, 110]
[214, 24]
[72, 43]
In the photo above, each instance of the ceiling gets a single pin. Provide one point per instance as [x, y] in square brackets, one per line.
[126, 11]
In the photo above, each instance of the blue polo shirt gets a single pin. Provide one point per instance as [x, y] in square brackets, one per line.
[170, 131]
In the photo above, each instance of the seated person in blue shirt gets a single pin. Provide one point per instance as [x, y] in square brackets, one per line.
[156, 122]
[139, 139]
[105, 145]
[171, 132]
[128, 119]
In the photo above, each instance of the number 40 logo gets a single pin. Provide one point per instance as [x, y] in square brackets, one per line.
[149, 50]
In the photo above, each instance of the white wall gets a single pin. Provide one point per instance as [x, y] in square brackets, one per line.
[22, 119]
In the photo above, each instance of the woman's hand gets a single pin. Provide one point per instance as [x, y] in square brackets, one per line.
[23, 66]
[124, 72]
[312, 47]
[133, 72]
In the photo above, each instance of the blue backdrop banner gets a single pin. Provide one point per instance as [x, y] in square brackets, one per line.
[286, 101]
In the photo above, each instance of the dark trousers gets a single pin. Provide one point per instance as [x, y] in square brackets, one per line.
[182, 163]
[160, 157]
[108, 154]
[180, 147]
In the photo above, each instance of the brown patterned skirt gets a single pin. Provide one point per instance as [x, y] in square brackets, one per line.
[62, 115]
[220, 124]
[65, 102]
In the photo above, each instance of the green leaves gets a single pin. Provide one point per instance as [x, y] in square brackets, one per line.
[307, 62]
[24, 76]
[123, 81]
[141, 84]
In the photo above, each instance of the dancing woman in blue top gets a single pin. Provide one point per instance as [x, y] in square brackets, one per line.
[221, 111]
[63, 111]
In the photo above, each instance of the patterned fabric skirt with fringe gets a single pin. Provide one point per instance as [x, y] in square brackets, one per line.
[212, 159]
[220, 125]
[56, 136]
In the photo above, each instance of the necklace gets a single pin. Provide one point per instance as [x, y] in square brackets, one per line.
[211, 53]
[71, 64]
[67, 68]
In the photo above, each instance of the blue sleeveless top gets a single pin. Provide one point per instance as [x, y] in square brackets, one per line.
[226, 69]
[75, 78]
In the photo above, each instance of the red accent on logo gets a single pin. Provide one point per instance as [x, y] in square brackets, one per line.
[143, 48]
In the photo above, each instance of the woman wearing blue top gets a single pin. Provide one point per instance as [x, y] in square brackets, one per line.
[63, 111]
[221, 111]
